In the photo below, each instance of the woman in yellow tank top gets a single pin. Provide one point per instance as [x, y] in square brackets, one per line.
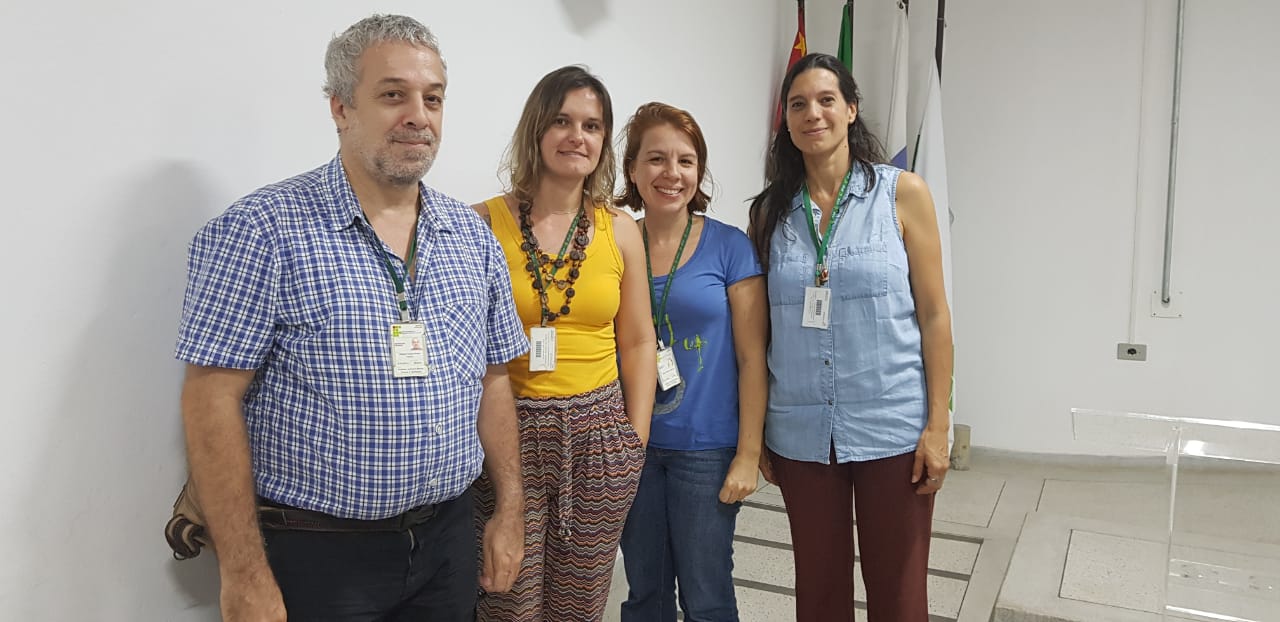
[577, 271]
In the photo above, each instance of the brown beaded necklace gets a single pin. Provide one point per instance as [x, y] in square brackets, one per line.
[542, 268]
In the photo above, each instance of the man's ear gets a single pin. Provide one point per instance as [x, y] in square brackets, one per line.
[338, 111]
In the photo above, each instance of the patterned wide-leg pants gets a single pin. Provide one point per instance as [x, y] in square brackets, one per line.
[581, 463]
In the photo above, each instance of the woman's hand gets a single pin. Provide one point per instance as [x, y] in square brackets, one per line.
[766, 468]
[741, 480]
[933, 459]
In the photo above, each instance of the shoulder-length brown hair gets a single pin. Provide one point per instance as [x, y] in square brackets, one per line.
[647, 117]
[523, 160]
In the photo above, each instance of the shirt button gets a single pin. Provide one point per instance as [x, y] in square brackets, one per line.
[831, 402]
[827, 362]
[434, 483]
[439, 428]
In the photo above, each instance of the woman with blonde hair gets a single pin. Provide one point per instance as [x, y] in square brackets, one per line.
[584, 393]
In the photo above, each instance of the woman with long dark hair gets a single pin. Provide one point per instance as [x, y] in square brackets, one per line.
[860, 352]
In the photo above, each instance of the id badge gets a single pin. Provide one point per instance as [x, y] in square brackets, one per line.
[668, 371]
[542, 348]
[408, 349]
[817, 308]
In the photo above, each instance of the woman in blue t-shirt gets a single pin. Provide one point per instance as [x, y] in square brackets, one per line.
[711, 312]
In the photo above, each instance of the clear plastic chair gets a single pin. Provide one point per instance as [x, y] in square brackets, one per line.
[1208, 577]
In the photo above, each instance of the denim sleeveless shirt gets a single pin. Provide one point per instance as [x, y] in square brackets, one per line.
[859, 384]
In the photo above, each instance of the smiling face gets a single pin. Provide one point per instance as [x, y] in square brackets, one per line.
[391, 130]
[665, 171]
[818, 116]
[570, 147]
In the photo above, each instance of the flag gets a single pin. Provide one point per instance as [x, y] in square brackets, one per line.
[896, 128]
[931, 165]
[798, 50]
[844, 49]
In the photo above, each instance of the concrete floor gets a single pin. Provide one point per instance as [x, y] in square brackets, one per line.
[1078, 539]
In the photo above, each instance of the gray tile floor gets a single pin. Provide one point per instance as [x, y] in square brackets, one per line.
[1088, 552]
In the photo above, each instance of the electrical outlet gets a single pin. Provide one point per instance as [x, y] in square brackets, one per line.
[1131, 351]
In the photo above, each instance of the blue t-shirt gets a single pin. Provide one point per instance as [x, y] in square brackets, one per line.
[702, 411]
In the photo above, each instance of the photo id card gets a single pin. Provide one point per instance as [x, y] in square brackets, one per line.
[668, 371]
[408, 349]
[817, 308]
[542, 348]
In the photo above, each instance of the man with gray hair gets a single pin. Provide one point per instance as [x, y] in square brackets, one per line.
[346, 334]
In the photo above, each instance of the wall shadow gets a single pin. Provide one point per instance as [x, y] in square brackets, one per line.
[115, 458]
[585, 15]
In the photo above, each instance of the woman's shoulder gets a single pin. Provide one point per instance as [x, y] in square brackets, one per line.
[724, 233]
[619, 218]
[486, 207]
[614, 212]
[910, 189]
[719, 226]
[620, 226]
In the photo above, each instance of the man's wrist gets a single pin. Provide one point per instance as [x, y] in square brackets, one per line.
[244, 568]
[509, 509]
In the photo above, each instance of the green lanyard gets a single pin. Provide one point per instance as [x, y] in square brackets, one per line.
[660, 309]
[402, 300]
[820, 273]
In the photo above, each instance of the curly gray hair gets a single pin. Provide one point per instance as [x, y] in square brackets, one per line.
[343, 55]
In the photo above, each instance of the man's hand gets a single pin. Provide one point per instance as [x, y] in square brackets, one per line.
[503, 551]
[252, 597]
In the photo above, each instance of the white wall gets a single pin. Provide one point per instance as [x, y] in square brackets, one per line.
[130, 124]
[1057, 122]
[1058, 130]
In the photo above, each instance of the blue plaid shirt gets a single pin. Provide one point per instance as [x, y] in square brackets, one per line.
[292, 282]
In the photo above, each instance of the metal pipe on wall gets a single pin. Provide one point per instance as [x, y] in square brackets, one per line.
[1165, 279]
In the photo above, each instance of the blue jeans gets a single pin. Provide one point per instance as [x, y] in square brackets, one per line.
[679, 532]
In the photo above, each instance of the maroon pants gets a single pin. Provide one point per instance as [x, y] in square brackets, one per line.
[894, 525]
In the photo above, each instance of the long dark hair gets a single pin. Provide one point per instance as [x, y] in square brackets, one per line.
[784, 169]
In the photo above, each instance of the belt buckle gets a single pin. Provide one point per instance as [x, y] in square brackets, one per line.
[416, 516]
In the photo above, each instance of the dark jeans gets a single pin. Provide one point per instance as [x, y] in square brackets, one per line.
[679, 532]
[427, 572]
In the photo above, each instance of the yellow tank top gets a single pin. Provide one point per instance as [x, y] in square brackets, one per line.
[586, 353]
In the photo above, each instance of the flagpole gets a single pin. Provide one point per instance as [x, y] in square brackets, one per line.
[844, 46]
[798, 49]
[942, 27]
[800, 19]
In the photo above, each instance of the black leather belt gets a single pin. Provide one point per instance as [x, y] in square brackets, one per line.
[273, 515]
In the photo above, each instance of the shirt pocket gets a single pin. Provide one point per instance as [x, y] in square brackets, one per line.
[460, 313]
[861, 271]
[791, 269]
